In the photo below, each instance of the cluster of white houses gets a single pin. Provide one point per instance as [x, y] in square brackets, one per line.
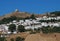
[31, 23]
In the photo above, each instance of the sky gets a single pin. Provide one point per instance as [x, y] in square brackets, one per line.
[31, 6]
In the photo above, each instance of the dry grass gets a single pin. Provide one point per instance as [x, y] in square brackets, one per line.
[43, 37]
[36, 37]
[20, 14]
[23, 35]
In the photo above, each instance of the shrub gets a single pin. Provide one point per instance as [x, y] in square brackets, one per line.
[19, 39]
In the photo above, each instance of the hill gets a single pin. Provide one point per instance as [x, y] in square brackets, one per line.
[43, 37]
[17, 13]
[26, 14]
[57, 13]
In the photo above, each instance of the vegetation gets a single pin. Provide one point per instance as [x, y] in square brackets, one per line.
[12, 27]
[32, 16]
[3, 39]
[32, 32]
[52, 20]
[37, 30]
[57, 13]
[12, 39]
[7, 20]
[56, 29]
[19, 39]
[1, 22]
[10, 19]
[46, 29]
[21, 28]
[50, 29]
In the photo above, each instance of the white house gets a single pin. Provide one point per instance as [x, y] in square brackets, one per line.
[58, 17]
[4, 28]
[44, 24]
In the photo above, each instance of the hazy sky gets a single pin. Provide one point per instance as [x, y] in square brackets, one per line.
[31, 6]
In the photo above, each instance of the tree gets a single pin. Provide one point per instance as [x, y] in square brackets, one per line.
[47, 29]
[21, 28]
[12, 27]
[12, 39]
[32, 16]
[9, 19]
[1, 22]
[56, 29]
[19, 39]
[2, 39]
[37, 30]
[57, 13]
[27, 18]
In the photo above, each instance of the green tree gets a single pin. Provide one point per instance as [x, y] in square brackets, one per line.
[2, 39]
[19, 39]
[56, 29]
[46, 29]
[21, 28]
[37, 30]
[12, 39]
[57, 13]
[1, 22]
[9, 19]
[32, 16]
[12, 27]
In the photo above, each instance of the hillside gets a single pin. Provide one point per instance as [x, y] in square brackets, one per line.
[17, 13]
[43, 37]
[57, 13]
[20, 14]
